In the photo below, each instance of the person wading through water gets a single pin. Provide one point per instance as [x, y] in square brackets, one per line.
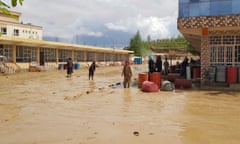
[69, 67]
[127, 74]
[92, 70]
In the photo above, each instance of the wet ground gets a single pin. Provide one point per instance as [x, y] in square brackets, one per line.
[48, 108]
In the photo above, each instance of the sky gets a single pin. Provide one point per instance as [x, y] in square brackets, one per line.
[113, 21]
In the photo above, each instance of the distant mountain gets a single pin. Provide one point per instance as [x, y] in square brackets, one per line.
[113, 39]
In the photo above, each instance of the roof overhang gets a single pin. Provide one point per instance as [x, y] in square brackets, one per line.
[58, 45]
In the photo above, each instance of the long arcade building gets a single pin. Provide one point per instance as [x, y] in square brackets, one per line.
[213, 27]
[24, 51]
[22, 44]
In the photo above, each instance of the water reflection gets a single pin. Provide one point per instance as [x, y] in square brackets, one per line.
[92, 85]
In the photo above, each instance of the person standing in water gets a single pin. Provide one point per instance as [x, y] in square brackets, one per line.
[127, 74]
[159, 64]
[92, 69]
[151, 65]
[166, 66]
[69, 67]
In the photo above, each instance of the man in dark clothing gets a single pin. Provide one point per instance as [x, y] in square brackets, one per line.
[183, 67]
[166, 66]
[69, 67]
[159, 64]
[92, 70]
[151, 65]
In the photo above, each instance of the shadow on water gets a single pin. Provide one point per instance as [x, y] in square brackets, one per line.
[213, 93]
[220, 93]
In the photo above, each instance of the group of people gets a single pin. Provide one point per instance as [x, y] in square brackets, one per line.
[126, 71]
[157, 67]
[70, 66]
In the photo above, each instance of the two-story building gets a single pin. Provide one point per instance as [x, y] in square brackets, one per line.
[22, 44]
[213, 27]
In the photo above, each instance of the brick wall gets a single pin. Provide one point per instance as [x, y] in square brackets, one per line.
[210, 21]
[205, 55]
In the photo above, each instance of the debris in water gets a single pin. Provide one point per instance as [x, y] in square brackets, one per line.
[136, 133]
[118, 83]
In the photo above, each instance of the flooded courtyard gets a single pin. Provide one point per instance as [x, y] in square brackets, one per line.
[48, 108]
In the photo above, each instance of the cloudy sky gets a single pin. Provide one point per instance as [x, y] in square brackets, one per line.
[118, 20]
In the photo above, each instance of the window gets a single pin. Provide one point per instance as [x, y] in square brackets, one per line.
[220, 54]
[63, 55]
[16, 32]
[220, 7]
[78, 56]
[229, 54]
[208, 7]
[4, 31]
[215, 40]
[237, 53]
[213, 55]
[6, 50]
[26, 54]
[100, 56]
[49, 54]
[90, 56]
[237, 39]
[108, 57]
[228, 39]
[194, 0]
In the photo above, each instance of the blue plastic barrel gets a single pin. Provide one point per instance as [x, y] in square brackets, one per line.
[138, 60]
[77, 66]
[61, 66]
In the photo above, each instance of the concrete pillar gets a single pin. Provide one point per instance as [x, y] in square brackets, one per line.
[95, 56]
[85, 56]
[73, 55]
[14, 53]
[205, 55]
[38, 55]
[57, 56]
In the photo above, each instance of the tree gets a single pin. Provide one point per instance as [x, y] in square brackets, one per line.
[5, 7]
[136, 45]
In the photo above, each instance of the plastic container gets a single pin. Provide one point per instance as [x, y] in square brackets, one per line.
[232, 75]
[156, 78]
[77, 66]
[141, 78]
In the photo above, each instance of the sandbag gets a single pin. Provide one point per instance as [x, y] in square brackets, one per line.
[149, 86]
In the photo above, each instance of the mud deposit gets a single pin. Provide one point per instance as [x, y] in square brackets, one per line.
[48, 108]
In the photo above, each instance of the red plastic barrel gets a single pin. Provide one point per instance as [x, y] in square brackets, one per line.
[141, 78]
[177, 83]
[65, 66]
[196, 72]
[183, 83]
[231, 75]
[156, 78]
[173, 76]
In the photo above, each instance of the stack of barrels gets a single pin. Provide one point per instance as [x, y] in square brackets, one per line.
[153, 77]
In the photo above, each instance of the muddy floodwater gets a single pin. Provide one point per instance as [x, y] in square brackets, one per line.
[48, 108]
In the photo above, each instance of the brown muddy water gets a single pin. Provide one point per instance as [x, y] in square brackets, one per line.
[48, 108]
